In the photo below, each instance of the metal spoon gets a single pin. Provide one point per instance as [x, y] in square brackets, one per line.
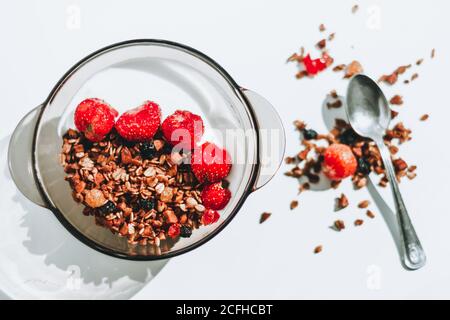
[369, 115]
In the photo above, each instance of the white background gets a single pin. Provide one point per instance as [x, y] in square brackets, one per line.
[251, 40]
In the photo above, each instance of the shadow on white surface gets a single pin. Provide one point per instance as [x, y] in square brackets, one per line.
[41, 259]
[388, 216]
[330, 115]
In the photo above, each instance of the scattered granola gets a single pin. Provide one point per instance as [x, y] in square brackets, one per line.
[352, 69]
[370, 214]
[264, 216]
[363, 204]
[342, 202]
[318, 249]
[397, 100]
[433, 53]
[321, 44]
[335, 104]
[393, 77]
[334, 94]
[339, 225]
[339, 67]
[307, 166]
[294, 204]
[322, 27]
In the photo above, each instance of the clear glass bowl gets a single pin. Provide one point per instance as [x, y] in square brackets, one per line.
[125, 74]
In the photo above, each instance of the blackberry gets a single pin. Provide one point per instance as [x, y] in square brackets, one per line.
[363, 166]
[146, 204]
[87, 144]
[107, 208]
[185, 231]
[167, 148]
[148, 150]
[183, 167]
[309, 134]
[348, 137]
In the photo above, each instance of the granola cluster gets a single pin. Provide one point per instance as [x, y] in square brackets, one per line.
[307, 163]
[137, 190]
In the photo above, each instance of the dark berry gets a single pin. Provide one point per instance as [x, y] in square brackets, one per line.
[107, 208]
[348, 137]
[128, 197]
[363, 166]
[167, 148]
[185, 231]
[86, 143]
[148, 150]
[183, 167]
[309, 134]
[146, 204]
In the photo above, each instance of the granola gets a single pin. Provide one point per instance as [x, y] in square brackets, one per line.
[133, 197]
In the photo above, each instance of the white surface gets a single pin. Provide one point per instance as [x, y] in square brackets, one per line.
[251, 40]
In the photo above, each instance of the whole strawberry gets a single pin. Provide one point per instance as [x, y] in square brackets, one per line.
[339, 162]
[210, 163]
[215, 196]
[183, 129]
[140, 123]
[95, 118]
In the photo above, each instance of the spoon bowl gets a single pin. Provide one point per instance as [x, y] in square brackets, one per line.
[367, 108]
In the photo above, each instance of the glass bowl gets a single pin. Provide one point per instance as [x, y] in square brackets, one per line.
[125, 74]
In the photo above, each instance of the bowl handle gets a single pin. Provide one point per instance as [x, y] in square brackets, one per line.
[20, 157]
[271, 137]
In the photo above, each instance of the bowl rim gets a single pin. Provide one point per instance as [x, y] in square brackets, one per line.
[250, 184]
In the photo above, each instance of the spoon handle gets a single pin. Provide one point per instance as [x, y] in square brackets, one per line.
[413, 255]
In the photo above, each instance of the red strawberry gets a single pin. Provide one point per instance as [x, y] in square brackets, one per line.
[210, 216]
[140, 123]
[174, 230]
[95, 118]
[339, 162]
[210, 163]
[183, 129]
[215, 196]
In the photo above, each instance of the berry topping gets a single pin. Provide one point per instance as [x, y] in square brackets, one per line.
[174, 230]
[210, 163]
[363, 166]
[309, 134]
[107, 208]
[185, 231]
[183, 129]
[339, 162]
[95, 118]
[140, 123]
[146, 204]
[210, 216]
[348, 137]
[148, 150]
[314, 66]
[215, 196]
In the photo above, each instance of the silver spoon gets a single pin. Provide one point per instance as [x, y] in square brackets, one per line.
[369, 114]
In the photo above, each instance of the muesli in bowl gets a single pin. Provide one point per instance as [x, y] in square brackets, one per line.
[141, 179]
